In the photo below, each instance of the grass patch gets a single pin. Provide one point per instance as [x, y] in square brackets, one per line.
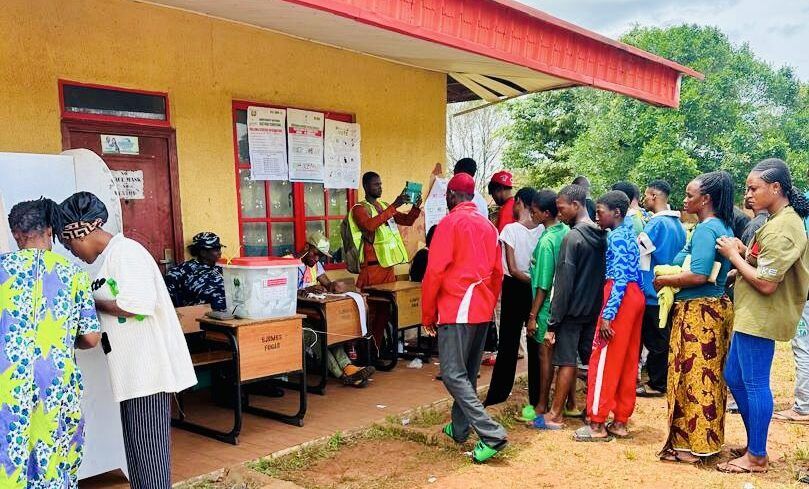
[426, 418]
[299, 459]
[801, 453]
[630, 454]
[507, 416]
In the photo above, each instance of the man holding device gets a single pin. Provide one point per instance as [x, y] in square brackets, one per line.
[374, 229]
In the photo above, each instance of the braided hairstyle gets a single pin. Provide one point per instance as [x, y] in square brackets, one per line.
[35, 216]
[719, 186]
[775, 170]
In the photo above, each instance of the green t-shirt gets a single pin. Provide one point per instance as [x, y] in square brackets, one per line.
[543, 266]
[783, 257]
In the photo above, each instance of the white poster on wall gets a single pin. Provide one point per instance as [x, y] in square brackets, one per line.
[305, 139]
[342, 155]
[129, 184]
[266, 137]
[435, 207]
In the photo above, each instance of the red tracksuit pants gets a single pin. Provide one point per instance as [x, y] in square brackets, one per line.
[613, 369]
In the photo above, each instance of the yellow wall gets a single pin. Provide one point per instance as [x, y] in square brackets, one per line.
[204, 64]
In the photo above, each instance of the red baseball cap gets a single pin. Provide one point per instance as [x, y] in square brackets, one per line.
[463, 183]
[503, 178]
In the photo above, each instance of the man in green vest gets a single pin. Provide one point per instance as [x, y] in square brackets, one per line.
[374, 229]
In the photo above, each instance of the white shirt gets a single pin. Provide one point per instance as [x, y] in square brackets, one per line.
[148, 356]
[480, 203]
[524, 241]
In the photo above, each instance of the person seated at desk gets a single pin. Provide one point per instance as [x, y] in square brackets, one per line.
[312, 278]
[199, 280]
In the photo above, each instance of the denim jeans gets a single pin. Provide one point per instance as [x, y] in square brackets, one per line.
[747, 373]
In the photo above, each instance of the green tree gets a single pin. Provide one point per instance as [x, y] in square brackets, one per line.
[744, 111]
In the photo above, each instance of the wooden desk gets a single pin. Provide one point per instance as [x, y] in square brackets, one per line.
[403, 299]
[339, 320]
[407, 299]
[260, 348]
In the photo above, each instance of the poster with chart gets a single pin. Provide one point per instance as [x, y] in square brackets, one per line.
[305, 140]
[342, 155]
[266, 137]
[435, 207]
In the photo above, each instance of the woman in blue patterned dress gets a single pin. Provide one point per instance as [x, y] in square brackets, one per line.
[46, 310]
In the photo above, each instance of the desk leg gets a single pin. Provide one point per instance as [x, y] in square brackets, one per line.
[389, 353]
[231, 436]
[294, 419]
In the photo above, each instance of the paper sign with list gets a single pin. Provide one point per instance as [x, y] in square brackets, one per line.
[129, 184]
[305, 140]
[342, 155]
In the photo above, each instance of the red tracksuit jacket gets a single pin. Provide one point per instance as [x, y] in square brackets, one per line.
[464, 270]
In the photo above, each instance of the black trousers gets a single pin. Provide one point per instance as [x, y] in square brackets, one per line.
[656, 340]
[514, 309]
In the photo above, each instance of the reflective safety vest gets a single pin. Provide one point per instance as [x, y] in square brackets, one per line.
[388, 245]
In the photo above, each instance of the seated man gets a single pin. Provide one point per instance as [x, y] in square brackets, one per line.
[312, 278]
[199, 280]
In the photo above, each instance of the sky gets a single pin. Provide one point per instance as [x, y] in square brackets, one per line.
[776, 30]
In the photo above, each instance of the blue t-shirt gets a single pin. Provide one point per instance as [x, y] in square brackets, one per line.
[668, 235]
[702, 249]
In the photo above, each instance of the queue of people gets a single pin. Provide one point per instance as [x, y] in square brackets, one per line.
[588, 282]
[594, 292]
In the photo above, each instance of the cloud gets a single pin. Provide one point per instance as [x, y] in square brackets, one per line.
[775, 30]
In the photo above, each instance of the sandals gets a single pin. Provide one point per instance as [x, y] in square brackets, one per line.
[790, 416]
[585, 434]
[573, 413]
[616, 434]
[673, 456]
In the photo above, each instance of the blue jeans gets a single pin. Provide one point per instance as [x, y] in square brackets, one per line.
[747, 373]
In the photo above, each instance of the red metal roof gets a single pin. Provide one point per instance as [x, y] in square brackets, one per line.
[515, 33]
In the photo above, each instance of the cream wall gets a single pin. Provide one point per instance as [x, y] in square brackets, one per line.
[204, 64]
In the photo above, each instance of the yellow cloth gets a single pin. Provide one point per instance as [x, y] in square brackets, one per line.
[665, 296]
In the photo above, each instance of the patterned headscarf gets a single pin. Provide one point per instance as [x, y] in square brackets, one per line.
[82, 213]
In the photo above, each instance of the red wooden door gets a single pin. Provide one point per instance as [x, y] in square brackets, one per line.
[150, 219]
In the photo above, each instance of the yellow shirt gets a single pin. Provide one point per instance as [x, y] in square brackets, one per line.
[783, 258]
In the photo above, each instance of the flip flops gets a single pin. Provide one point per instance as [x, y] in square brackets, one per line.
[585, 434]
[672, 456]
[540, 424]
[646, 391]
[573, 413]
[733, 468]
[790, 416]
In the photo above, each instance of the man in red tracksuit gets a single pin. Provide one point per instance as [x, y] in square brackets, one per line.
[459, 291]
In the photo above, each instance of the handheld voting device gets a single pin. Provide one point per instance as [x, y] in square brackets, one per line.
[413, 191]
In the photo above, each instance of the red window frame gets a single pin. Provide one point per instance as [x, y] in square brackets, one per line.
[299, 217]
[66, 114]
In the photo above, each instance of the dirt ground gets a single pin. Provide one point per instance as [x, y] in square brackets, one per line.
[413, 453]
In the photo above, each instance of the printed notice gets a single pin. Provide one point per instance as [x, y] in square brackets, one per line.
[129, 184]
[342, 155]
[435, 207]
[267, 142]
[112, 144]
[305, 139]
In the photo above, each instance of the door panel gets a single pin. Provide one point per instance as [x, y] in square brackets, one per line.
[149, 220]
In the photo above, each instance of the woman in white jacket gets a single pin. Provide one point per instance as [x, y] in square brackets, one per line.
[146, 351]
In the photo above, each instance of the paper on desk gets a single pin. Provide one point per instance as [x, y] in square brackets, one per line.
[360, 301]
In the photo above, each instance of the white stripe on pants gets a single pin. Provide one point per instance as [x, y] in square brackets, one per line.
[146, 422]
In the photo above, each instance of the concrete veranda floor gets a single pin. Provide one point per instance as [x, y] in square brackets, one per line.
[341, 409]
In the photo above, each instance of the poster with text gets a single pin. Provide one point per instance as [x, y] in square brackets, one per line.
[266, 137]
[435, 207]
[342, 155]
[305, 139]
